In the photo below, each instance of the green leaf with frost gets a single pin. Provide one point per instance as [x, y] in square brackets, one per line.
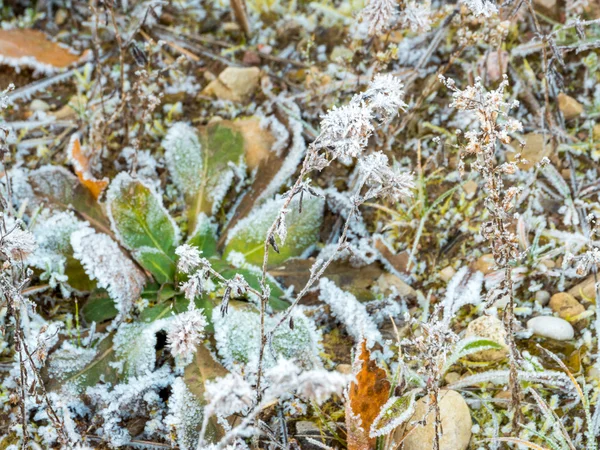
[204, 236]
[99, 368]
[159, 264]
[140, 221]
[202, 164]
[248, 236]
[395, 412]
[238, 338]
[468, 346]
[54, 252]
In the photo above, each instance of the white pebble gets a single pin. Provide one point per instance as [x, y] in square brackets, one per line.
[39, 105]
[551, 327]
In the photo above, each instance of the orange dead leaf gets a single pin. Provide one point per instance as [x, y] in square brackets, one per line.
[366, 397]
[33, 48]
[82, 169]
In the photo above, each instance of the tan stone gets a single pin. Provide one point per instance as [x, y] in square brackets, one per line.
[234, 83]
[502, 399]
[470, 188]
[456, 424]
[451, 377]
[484, 264]
[570, 107]
[585, 289]
[344, 368]
[488, 327]
[388, 280]
[447, 273]
[566, 306]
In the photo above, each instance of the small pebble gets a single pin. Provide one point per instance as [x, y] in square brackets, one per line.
[566, 306]
[551, 327]
[447, 273]
[491, 328]
[542, 297]
[485, 264]
[39, 105]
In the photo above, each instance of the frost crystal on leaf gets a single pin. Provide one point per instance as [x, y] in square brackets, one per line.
[464, 289]
[184, 157]
[379, 15]
[16, 243]
[238, 340]
[416, 15]
[135, 343]
[189, 258]
[383, 181]
[481, 7]
[385, 94]
[348, 310]
[185, 332]
[185, 415]
[229, 395]
[105, 262]
[347, 129]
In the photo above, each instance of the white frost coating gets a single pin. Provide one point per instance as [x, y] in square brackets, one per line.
[184, 157]
[123, 401]
[229, 395]
[135, 343]
[348, 310]
[205, 226]
[314, 385]
[105, 262]
[378, 16]
[20, 188]
[386, 414]
[16, 243]
[254, 226]
[118, 188]
[238, 340]
[53, 235]
[481, 7]
[30, 62]
[464, 289]
[217, 191]
[69, 359]
[189, 258]
[295, 154]
[186, 332]
[185, 415]
[278, 131]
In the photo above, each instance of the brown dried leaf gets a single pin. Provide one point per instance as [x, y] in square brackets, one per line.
[366, 398]
[32, 47]
[82, 169]
[356, 280]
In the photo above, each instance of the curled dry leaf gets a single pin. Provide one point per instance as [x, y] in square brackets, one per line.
[81, 164]
[366, 397]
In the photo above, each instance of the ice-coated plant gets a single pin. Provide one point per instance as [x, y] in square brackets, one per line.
[155, 280]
